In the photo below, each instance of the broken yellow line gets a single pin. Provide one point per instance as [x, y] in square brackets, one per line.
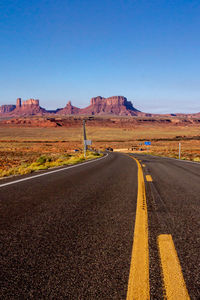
[149, 178]
[138, 284]
[174, 283]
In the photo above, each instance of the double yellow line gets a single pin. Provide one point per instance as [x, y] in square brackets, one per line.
[138, 284]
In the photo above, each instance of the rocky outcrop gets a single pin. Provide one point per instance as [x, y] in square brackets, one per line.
[19, 102]
[30, 102]
[116, 105]
[31, 107]
[69, 109]
[23, 108]
[29, 122]
[5, 109]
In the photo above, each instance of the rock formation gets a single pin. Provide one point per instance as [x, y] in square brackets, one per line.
[30, 107]
[30, 102]
[116, 105]
[5, 109]
[69, 109]
[23, 108]
[19, 102]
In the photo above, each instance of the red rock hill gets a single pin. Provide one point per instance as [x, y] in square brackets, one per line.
[116, 105]
[23, 108]
[69, 109]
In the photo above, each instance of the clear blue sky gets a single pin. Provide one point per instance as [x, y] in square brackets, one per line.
[60, 50]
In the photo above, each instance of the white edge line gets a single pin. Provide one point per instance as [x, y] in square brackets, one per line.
[51, 172]
[176, 159]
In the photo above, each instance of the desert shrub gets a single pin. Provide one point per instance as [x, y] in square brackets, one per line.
[197, 159]
[8, 172]
[66, 155]
[41, 160]
[76, 159]
[49, 159]
[23, 171]
[96, 154]
[44, 162]
[60, 160]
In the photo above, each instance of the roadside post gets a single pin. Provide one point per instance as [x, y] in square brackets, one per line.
[85, 141]
[179, 152]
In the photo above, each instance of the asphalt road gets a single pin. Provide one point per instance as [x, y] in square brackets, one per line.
[69, 234]
[173, 200]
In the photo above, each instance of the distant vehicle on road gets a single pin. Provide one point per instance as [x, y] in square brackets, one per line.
[109, 149]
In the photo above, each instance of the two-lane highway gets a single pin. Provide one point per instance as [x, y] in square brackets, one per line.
[173, 200]
[87, 232]
[68, 235]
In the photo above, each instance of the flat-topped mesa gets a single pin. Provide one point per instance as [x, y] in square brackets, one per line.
[26, 104]
[31, 107]
[96, 100]
[114, 100]
[116, 105]
[31, 102]
[23, 108]
[28, 107]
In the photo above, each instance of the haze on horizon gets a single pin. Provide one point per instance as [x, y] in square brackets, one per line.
[147, 51]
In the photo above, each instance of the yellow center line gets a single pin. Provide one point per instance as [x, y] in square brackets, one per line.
[149, 178]
[138, 284]
[174, 283]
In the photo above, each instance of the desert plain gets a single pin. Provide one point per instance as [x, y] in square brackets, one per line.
[23, 141]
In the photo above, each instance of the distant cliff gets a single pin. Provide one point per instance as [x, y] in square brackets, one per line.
[5, 109]
[116, 105]
[23, 108]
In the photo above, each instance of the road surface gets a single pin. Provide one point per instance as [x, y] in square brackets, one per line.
[69, 234]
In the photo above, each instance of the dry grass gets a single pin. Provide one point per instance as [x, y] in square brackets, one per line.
[190, 150]
[46, 162]
[40, 134]
[21, 147]
[97, 134]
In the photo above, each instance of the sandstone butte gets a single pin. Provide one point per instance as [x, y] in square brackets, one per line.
[116, 105]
